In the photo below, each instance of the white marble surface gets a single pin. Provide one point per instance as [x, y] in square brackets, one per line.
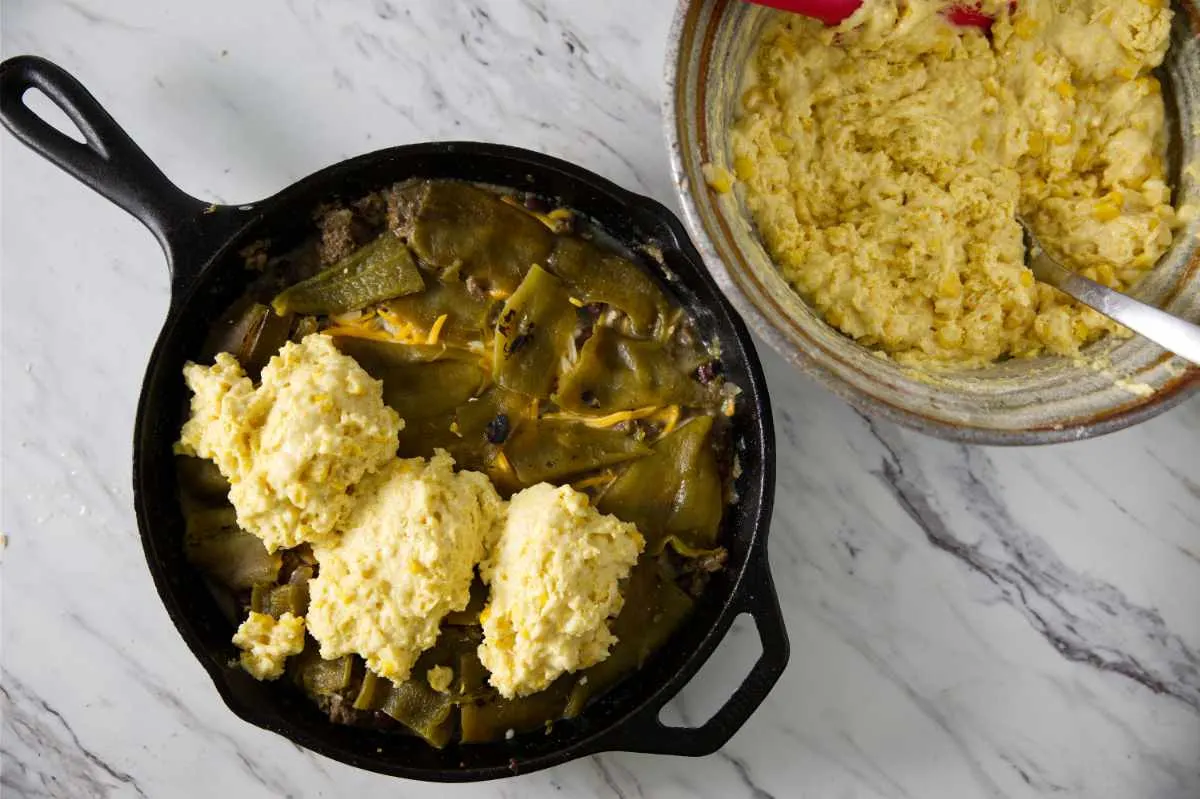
[965, 622]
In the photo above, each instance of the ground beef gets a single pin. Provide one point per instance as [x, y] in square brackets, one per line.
[372, 211]
[341, 710]
[403, 200]
[337, 235]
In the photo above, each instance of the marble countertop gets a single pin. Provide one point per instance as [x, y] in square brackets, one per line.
[965, 622]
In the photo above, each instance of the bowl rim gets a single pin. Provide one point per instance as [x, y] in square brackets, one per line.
[1122, 416]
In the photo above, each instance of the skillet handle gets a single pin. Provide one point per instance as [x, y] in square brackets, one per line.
[109, 162]
[643, 732]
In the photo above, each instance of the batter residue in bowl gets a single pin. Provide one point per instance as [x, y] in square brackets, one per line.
[884, 162]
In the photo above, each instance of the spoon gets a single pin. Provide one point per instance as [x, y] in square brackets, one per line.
[832, 12]
[1167, 331]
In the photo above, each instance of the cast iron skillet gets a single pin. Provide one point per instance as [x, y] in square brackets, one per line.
[201, 242]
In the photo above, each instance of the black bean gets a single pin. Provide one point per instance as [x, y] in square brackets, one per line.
[505, 328]
[519, 341]
[497, 429]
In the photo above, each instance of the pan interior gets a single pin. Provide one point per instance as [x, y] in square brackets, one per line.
[638, 226]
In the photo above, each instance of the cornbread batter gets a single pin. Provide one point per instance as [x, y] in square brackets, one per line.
[292, 448]
[267, 643]
[555, 582]
[405, 558]
[885, 161]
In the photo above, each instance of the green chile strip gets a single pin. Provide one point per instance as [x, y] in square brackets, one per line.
[377, 271]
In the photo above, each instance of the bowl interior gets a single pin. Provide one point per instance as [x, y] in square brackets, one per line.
[285, 220]
[1017, 401]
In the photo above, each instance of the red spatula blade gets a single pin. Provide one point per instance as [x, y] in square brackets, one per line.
[832, 12]
[969, 16]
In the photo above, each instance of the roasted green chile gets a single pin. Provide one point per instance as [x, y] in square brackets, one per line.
[593, 275]
[676, 490]
[535, 329]
[377, 271]
[469, 232]
[618, 373]
[550, 451]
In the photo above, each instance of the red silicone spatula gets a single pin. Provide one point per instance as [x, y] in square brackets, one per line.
[967, 15]
[831, 12]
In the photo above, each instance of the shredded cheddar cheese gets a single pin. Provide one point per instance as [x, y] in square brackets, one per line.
[552, 219]
[605, 477]
[348, 331]
[607, 420]
[671, 416]
[435, 332]
[503, 464]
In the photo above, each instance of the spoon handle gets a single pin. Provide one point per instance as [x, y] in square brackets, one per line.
[1169, 332]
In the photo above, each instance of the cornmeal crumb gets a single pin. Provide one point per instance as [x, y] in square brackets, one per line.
[440, 678]
[267, 642]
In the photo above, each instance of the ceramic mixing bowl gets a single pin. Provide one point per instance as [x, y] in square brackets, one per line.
[1019, 401]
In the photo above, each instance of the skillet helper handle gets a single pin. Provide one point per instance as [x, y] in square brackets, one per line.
[108, 161]
[646, 734]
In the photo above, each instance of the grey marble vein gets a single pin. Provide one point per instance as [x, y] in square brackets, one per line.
[42, 756]
[609, 779]
[1083, 618]
[743, 773]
